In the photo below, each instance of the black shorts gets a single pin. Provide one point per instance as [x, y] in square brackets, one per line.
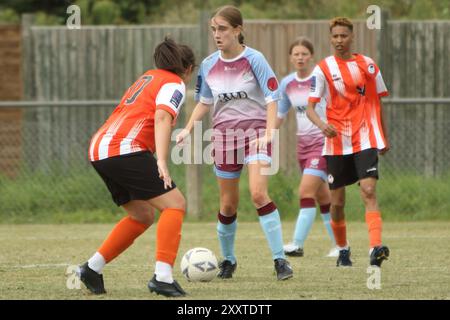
[348, 169]
[131, 177]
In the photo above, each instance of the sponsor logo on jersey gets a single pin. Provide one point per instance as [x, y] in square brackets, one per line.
[371, 69]
[300, 109]
[272, 84]
[198, 86]
[176, 98]
[313, 84]
[335, 77]
[230, 68]
[225, 97]
[371, 169]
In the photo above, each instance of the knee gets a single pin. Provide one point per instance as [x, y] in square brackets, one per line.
[337, 211]
[368, 192]
[228, 205]
[228, 209]
[259, 198]
[180, 202]
[144, 215]
[338, 201]
[177, 201]
[305, 193]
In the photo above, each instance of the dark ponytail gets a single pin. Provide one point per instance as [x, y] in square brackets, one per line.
[173, 57]
[241, 38]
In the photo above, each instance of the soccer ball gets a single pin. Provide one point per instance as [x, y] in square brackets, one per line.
[199, 264]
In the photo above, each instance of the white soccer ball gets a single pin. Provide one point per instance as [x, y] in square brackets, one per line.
[199, 264]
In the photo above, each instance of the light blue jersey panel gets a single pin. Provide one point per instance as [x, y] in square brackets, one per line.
[265, 75]
[284, 104]
[202, 90]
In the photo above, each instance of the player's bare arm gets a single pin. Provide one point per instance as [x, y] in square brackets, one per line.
[383, 125]
[327, 129]
[163, 129]
[272, 124]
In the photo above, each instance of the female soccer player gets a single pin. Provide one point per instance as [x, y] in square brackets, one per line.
[313, 188]
[122, 153]
[355, 133]
[241, 87]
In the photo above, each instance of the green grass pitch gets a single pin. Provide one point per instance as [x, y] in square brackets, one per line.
[34, 260]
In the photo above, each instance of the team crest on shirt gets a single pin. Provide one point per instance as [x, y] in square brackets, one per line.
[272, 84]
[314, 163]
[371, 69]
[176, 98]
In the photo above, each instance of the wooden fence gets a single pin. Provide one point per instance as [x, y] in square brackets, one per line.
[415, 63]
[10, 89]
[100, 63]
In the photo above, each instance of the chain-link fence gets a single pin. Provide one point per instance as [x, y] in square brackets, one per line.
[45, 175]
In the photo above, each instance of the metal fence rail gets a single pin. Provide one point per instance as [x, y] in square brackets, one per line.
[87, 103]
[44, 165]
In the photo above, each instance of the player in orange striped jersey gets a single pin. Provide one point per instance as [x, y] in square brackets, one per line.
[122, 154]
[355, 133]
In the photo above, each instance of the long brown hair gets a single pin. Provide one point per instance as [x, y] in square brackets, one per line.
[233, 16]
[302, 41]
[173, 57]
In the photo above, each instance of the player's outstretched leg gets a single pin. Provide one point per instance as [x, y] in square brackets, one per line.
[168, 236]
[120, 238]
[91, 279]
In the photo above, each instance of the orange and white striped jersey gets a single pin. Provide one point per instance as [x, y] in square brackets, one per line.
[352, 89]
[130, 128]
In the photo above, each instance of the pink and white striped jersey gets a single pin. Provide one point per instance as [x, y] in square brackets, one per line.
[294, 93]
[239, 88]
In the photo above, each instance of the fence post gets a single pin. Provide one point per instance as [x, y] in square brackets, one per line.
[194, 174]
[29, 91]
[383, 38]
[27, 56]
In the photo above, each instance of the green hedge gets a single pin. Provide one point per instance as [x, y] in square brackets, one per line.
[79, 195]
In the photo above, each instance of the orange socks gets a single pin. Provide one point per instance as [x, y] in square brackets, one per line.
[121, 237]
[168, 235]
[374, 224]
[340, 232]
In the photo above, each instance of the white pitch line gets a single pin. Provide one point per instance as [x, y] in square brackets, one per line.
[30, 266]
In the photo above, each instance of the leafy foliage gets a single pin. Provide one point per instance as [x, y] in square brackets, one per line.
[178, 12]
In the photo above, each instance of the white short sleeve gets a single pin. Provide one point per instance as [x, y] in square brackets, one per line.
[171, 97]
[318, 85]
[381, 86]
